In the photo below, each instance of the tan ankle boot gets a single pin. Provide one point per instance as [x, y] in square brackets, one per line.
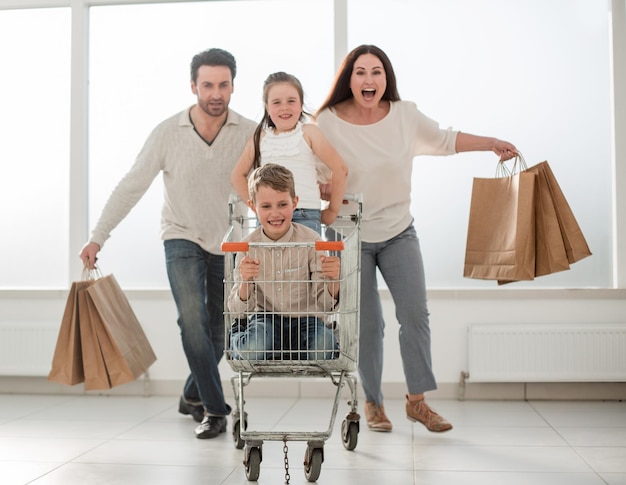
[419, 411]
[376, 418]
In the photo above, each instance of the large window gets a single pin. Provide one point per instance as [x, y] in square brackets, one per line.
[533, 72]
[139, 77]
[34, 152]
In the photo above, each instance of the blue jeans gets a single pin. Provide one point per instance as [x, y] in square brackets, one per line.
[196, 279]
[311, 218]
[268, 335]
[400, 263]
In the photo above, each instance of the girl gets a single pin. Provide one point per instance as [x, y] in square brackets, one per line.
[283, 137]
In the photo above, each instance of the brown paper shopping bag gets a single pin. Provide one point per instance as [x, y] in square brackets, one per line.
[125, 347]
[575, 244]
[550, 253]
[96, 375]
[501, 230]
[67, 364]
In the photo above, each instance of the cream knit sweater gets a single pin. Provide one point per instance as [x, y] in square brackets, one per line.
[196, 181]
[380, 162]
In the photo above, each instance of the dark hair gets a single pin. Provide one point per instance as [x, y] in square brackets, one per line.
[213, 57]
[273, 176]
[340, 90]
[266, 121]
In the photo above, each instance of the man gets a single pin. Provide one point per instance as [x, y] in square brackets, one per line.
[196, 151]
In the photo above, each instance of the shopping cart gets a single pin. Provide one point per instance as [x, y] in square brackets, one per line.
[337, 363]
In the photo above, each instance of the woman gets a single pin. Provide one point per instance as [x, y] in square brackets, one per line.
[378, 136]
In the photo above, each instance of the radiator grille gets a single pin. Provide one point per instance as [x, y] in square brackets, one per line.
[26, 348]
[547, 352]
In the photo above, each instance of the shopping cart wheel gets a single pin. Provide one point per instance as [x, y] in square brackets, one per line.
[313, 458]
[349, 434]
[253, 464]
[239, 442]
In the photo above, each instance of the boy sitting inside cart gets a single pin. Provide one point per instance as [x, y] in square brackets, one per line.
[283, 287]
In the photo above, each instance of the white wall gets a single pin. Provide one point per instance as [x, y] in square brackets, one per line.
[451, 314]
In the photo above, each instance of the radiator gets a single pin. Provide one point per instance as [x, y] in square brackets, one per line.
[547, 352]
[26, 348]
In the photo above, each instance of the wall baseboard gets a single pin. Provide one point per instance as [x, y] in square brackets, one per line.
[314, 387]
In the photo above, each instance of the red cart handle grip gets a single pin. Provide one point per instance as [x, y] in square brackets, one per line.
[235, 247]
[329, 245]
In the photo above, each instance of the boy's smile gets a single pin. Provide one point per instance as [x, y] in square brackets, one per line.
[274, 210]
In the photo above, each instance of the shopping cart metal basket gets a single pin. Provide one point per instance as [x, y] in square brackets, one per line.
[287, 357]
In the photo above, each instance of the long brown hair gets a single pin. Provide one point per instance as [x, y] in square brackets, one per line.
[266, 121]
[340, 90]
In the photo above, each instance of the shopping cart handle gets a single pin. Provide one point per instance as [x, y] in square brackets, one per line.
[329, 245]
[234, 198]
[353, 197]
[234, 247]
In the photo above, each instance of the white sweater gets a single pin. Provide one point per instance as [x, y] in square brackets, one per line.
[380, 162]
[196, 181]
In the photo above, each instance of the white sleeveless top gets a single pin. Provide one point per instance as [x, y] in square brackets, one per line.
[291, 150]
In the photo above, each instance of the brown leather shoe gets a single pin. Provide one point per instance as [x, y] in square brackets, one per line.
[419, 411]
[376, 418]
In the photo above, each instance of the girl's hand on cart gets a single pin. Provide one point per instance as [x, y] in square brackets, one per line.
[248, 268]
[325, 190]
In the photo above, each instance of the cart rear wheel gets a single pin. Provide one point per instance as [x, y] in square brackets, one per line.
[253, 467]
[349, 434]
[239, 443]
[314, 467]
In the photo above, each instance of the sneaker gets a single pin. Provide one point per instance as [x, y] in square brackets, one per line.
[210, 427]
[193, 408]
[376, 418]
[419, 411]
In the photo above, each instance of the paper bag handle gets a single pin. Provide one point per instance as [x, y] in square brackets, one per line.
[91, 274]
[519, 165]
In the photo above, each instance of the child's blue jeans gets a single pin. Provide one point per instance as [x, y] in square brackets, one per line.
[276, 337]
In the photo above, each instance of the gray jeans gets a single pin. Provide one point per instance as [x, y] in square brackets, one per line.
[400, 262]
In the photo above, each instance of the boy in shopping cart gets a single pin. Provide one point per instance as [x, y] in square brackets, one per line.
[282, 290]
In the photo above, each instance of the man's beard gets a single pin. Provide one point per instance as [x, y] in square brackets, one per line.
[215, 110]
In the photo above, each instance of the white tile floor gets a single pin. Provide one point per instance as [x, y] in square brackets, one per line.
[86, 439]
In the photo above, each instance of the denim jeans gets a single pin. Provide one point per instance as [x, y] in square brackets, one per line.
[196, 279]
[400, 263]
[311, 218]
[268, 336]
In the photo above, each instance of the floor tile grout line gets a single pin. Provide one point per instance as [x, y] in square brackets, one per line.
[569, 445]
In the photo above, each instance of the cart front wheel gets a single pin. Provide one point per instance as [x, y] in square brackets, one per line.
[313, 468]
[349, 434]
[253, 467]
